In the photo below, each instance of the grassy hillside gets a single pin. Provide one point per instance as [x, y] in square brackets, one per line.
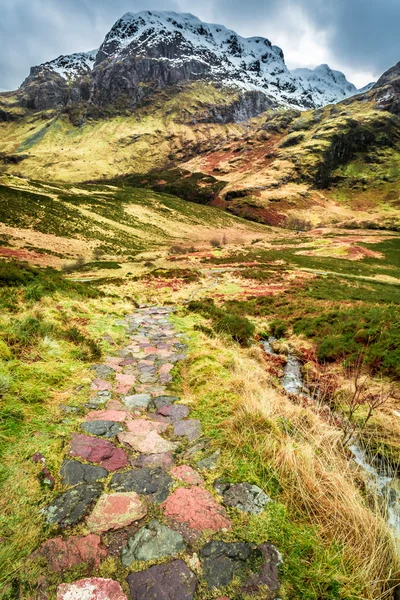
[51, 223]
[336, 165]
[80, 144]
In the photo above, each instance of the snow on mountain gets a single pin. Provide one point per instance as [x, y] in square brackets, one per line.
[71, 66]
[330, 85]
[167, 47]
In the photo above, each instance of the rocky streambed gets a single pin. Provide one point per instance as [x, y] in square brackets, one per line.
[382, 480]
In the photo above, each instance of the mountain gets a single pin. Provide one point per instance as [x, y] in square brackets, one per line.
[147, 51]
[167, 98]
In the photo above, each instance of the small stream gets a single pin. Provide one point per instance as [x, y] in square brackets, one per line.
[381, 480]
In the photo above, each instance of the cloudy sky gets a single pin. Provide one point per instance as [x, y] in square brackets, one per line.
[358, 37]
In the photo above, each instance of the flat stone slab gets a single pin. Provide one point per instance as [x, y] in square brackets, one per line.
[175, 412]
[124, 379]
[152, 482]
[69, 508]
[209, 463]
[62, 554]
[222, 560]
[137, 401]
[102, 371]
[152, 542]
[169, 581]
[115, 511]
[147, 443]
[116, 416]
[269, 574]
[99, 385]
[187, 475]
[164, 460]
[99, 451]
[73, 472]
[145, 426]
[190, 429]
[91, 589]
[244, 496]
[161, 401]
[197, 509]
[107, 429]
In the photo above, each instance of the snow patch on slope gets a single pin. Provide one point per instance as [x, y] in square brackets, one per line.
[71, 66]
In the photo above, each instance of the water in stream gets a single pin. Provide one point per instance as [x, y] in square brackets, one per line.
[382, 481]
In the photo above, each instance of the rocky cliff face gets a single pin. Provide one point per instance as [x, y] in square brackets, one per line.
[148, 51]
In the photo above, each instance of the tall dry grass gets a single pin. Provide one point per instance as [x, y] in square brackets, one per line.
[317, 480]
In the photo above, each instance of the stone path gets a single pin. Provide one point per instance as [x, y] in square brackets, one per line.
[134, 458]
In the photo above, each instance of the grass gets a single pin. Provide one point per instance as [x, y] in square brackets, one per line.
[115, 221]
[334, 546]
[51, 331]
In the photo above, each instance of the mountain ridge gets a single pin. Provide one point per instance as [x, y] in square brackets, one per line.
[149, 50]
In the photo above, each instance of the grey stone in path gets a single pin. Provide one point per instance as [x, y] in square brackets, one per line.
[107, 429]
[73, 472]
[161, 401]
[152, 482]
[170, 581]
[209, 463]
[221, 560]
[244, 496]
[152, 542]
[191, 429]
[70, 507]
[176, 412]
[102, 371]
[164, 460]
[137, 401]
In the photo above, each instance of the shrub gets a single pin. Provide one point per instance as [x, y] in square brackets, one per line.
[278, 328]
[239, 328]
[215, 243]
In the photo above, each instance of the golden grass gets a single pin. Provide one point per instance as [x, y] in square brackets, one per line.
[317, 481]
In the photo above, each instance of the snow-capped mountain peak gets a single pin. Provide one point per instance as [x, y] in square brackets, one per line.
[70, 66]
[152, 49]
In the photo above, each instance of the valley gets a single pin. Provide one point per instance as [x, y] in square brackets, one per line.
[184, 222]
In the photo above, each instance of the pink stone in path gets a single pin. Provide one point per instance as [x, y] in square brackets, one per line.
[98, 451]
[151, 350]
[63, 554]
[91, 589]
[114, 363]
[144, 426]
[147, 443]
[165, 369]
[99, 385]
[124, 383]
[115, 511]
[118, 416]
[196, 508]
[187, 475]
